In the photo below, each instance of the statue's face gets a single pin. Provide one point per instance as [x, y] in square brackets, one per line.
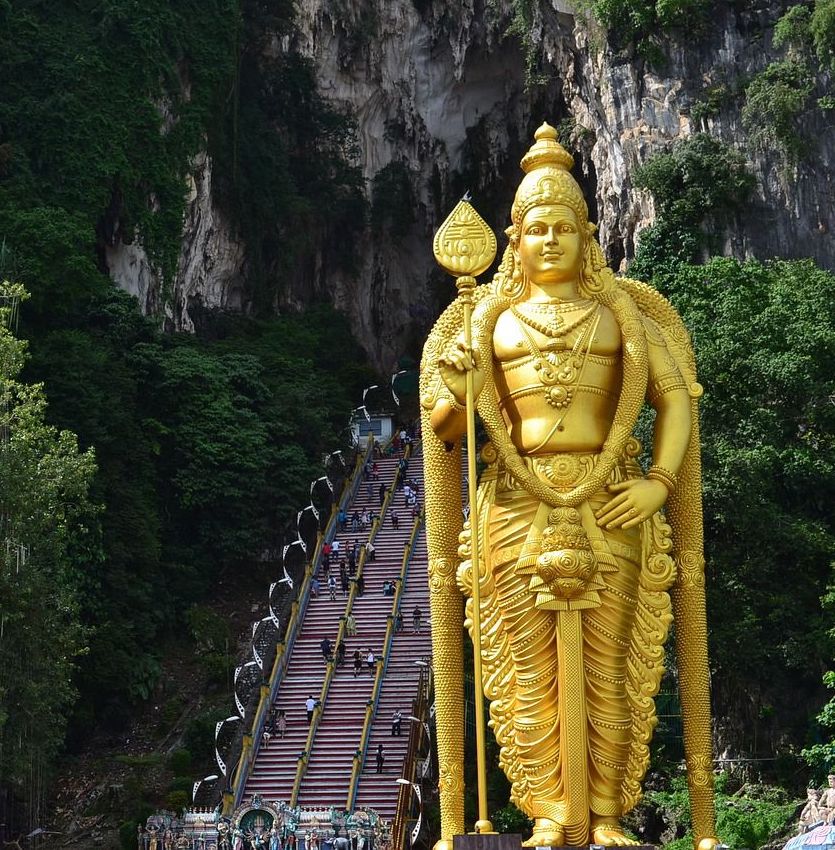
[551, 244]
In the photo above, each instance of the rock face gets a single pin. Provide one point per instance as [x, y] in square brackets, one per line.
[210, 269]
[440, 90]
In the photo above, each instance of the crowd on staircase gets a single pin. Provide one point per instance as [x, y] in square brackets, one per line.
[343, 638]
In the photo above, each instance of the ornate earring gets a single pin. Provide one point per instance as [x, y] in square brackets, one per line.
[516, 274]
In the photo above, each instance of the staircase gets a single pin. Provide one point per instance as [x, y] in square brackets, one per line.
[328, 774]
[379, 791]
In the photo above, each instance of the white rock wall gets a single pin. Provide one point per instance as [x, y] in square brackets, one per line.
[423, 80]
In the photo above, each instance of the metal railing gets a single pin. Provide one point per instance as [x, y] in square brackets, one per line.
[284, 649]
[304, 756]
[371, 706]
[420, 706]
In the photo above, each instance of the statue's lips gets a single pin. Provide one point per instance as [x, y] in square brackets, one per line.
[552, 258]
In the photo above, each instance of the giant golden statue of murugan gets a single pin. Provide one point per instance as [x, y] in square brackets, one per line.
[577, 563]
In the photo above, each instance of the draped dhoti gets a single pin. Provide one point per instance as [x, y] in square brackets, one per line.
[552, 743]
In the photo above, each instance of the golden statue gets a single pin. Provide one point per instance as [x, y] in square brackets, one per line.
[576, 563]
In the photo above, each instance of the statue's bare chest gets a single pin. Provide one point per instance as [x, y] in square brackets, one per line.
[525, 334]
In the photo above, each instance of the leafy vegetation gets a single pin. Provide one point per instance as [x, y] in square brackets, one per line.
[780, 97]
[203, 450]
[821, 754]
[701, 178]
[202, 447]
[774, 102]
[764, 335]
[48, 539]
[746, 816]
[522, 26]
[78, 162]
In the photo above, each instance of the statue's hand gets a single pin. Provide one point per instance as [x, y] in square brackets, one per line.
[453, 367]
[634, 501]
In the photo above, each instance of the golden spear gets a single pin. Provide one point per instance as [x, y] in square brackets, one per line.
[465, 246]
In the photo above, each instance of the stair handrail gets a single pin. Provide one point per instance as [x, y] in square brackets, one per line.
[371, 705]
[304, 757]
[284, 648]
[404, 795]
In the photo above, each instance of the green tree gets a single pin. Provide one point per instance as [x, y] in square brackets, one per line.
[821, 755]
[764, 335]
[701, 179]
[47, 540]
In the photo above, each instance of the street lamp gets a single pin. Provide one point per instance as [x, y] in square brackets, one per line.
[426, 729]
[413, 836]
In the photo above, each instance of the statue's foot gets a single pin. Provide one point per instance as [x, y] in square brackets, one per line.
[611, 835]
[546, 833]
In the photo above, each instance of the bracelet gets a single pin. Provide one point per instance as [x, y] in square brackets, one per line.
[667, 478]
[454, 403]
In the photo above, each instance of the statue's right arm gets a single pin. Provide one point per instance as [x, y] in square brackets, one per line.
[448, 417]
[447, 422]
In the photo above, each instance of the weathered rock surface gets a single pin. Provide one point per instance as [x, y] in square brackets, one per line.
[438, 88]
[210, 269]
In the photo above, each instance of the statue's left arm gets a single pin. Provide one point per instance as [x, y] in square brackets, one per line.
[635, 501]
[667, 393]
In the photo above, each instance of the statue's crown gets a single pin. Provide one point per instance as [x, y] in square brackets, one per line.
[547, 180]
[546, 150]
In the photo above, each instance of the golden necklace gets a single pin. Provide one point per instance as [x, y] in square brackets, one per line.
[559, 372]
[556, 326]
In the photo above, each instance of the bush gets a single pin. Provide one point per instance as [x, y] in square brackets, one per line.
[775, 101]
[177, 801]
[793, 29]
[171, 710]
[700, 177]
[822, 27]
[199, 736]
[511, 819]
[127, 834]
[179, 761]
[746, 818]
[218, 667]
[209, 630]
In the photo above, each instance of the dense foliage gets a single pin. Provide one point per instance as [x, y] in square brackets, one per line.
[747, 816]
[204, 447]
[701, 179]
[779, 100]
[821, 754]
[48, 539]
[203, 450]
[765, 341]
[764, 335]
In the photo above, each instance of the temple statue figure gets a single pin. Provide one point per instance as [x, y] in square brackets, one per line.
[811, 812]
[826, 804]
[577, 562]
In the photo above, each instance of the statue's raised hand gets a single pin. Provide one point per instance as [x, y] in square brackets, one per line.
[453, 367]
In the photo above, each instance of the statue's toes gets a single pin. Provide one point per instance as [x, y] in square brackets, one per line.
[608, 837]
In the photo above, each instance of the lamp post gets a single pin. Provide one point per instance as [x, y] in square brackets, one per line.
[413, 835]
[428, 732]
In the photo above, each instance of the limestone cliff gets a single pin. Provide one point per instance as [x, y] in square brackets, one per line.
[439, 90]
